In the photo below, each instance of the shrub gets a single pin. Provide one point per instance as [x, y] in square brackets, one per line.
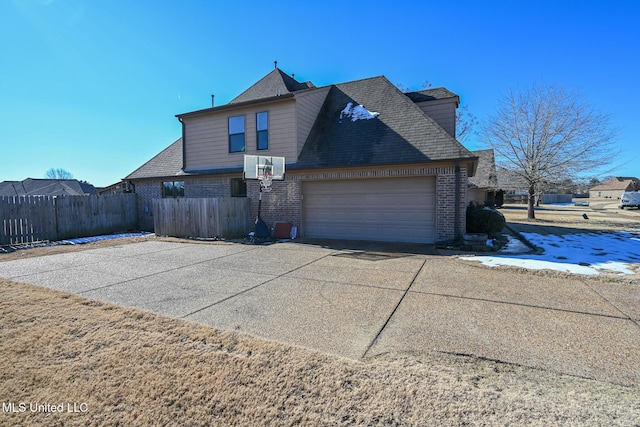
[484, 220]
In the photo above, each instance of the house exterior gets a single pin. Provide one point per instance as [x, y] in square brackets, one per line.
[614, 187]
[46, 187]
[364, 161]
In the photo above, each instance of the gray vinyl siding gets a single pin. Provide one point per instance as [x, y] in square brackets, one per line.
[206, 137]
[308, 105]
[443, 111]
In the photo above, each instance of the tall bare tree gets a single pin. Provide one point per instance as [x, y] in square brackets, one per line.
[58, 173]
[547, 133]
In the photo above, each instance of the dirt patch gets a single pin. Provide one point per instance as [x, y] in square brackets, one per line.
[121, 366]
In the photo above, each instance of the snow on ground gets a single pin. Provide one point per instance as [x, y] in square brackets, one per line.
[78, 241]
[585, 253]
[357, 113]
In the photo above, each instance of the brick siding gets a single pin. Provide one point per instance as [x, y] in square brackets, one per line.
[284, 202]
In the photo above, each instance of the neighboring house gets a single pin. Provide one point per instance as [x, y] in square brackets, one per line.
[614, 187]
[46, 187]
[484, 184]
[363, 160]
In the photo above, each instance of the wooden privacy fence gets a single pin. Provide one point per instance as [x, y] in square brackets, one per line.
[40, 218]
[201, 217]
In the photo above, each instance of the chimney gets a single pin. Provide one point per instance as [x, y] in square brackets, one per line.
[212, 103]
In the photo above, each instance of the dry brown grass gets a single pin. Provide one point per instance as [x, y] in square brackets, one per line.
[134, 368]
[602, 216]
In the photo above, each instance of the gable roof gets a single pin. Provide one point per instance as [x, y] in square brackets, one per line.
[166, 163]
[44, 187]
[401, 133]
[276, 83]
[619, 183]
[486, 176]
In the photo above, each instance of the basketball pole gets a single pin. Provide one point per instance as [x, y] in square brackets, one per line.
[259, 202]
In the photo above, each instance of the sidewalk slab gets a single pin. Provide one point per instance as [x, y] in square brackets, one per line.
[598, 347]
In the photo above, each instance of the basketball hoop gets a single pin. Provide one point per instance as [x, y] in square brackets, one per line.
[265, 182]
[265, 176]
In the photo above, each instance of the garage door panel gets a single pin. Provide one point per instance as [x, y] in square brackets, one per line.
[386, 209]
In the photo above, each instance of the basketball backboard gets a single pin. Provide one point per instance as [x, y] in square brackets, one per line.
[257, 166]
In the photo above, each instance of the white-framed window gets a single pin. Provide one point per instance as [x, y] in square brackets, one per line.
[236, 134]
[262, 130]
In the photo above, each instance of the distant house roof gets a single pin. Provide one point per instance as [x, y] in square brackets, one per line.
[276, 83]
[166, 163]
[398, 132]
[45, 187]
[618, 183]
[486, 176]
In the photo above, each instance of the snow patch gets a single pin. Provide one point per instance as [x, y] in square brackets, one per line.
[585, 253]
[357, 113]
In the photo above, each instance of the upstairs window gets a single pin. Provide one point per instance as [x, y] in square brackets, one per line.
[173, 189]
[262, 130]
[236, 134]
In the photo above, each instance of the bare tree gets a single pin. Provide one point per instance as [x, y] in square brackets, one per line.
[466, 123]
[58, 173]
[548, 133]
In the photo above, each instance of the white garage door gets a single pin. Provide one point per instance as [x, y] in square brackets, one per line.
[383, 209]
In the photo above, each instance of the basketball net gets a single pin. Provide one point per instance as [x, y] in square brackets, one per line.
[265, 178]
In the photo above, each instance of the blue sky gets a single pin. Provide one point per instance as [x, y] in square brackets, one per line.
[93, 86]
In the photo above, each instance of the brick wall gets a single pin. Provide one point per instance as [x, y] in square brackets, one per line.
[147, 190]
[446, 204]
[284, 202]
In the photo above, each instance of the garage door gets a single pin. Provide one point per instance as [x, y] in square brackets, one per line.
[384, 209]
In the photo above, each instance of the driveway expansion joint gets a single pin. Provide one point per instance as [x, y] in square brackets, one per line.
[255, 287]
[364, 355]
[161, 272]
[519, 304]
[626, 316]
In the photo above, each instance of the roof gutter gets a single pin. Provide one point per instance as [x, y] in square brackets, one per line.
[184, 151]
[235, 105]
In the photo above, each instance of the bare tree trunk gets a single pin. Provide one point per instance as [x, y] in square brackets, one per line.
[532, 200]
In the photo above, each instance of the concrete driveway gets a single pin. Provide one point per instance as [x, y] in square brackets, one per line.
[363, 302]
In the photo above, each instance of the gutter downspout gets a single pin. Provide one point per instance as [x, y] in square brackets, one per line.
[184, 157]
[456, 215]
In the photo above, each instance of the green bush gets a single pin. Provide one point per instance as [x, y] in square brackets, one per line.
[484, 220]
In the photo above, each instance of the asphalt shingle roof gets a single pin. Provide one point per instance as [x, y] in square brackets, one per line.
[276, 83]
[166, 163]
[486, 176]
[401, 133]
[431, 94]
[618, 183]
